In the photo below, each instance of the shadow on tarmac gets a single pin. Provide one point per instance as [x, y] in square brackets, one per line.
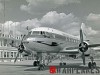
[78, 65]
[32, 68]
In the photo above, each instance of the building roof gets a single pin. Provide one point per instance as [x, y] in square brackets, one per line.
[8, 48]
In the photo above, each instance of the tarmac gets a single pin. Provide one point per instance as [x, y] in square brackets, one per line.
[26, 68]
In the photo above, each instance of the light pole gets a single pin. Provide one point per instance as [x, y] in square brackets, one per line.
[4, 16]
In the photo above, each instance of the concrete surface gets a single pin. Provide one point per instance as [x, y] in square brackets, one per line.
[26, 68]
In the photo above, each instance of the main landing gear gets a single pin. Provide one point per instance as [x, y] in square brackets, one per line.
[92, 64]
[40, 66]
[39, 62]
[36, 63]
[62, 63]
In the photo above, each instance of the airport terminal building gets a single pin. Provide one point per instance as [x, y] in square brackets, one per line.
[8, 53]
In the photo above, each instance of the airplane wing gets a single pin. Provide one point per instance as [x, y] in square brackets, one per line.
[96, 49]
[70, 50]
[83, 46]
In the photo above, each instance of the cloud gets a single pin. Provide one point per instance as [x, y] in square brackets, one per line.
[52, 19]
[2, 4]
[1, 7]
[93, 17]
[30, 23]
[66, 1]
[44, 5]
[88, 30]
[61, 21]
[18, 28]
[9, 27]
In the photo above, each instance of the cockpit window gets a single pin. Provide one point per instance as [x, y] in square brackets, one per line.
[35, 33]
[42, 32]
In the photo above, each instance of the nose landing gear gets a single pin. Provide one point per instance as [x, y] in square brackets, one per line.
[36, 63]
[41, 67]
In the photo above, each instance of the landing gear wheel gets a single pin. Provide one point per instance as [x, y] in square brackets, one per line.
[61, 64]
[64, 63]
[36, 63]
[41, 67]
[89, 65]
[94, 64]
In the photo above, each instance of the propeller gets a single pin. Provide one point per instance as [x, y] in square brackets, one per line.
[20, 49]
[82, 46]
[16, 57]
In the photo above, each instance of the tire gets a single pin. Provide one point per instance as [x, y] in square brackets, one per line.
[89, 65]
[64, 63]
[41, 67]
[60, 64]
[94, 64]
[36, 63]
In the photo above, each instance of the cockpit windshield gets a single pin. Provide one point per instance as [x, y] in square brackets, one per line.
[35, 33]
[43, 34]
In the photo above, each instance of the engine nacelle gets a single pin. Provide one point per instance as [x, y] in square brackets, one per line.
[83, 47]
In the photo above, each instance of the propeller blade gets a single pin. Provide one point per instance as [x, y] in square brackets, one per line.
[94, 45]
[83, 58]
[12, 43]
[16, 57]
[81, 36]
[82, 44]
[22, 39]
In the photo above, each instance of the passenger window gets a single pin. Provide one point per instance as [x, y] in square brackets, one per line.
[60, 37]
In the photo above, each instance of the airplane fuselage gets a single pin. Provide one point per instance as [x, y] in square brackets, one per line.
[45, 39]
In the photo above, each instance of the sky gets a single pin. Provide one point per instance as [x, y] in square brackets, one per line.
[64, 15]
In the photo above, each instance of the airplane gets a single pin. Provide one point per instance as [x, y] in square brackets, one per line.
[50, 40]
